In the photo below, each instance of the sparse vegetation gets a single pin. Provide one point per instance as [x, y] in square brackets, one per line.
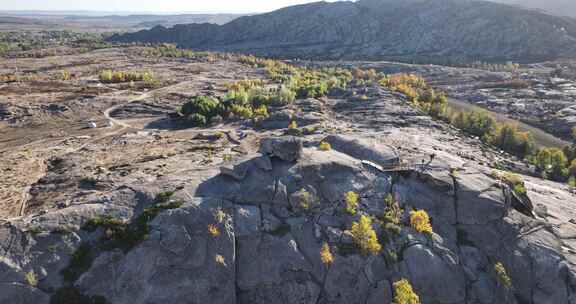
[502, 275]
[110, 76]
[478, 123]
[365, 237]
[351, 198]
[213, 230]
[117, 235]
[31, 278]
[326, 255]
[172, 51]
[392, 212]
[306, 200]
[325, 146]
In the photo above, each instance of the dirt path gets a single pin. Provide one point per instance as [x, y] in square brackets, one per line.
[26, 191]
[41, 162]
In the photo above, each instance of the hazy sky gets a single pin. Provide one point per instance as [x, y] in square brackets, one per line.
[151, 5]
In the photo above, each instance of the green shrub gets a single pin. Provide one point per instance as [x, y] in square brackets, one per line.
[502, 275]
[240, 97]
[325, 146]
[285, 96]
[196, 120]
[553, 163]
[261, 112]
[199, 110]
[392, 211]
[241, 111]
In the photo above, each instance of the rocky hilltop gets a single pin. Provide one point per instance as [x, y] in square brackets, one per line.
[179, 186]
[384, 29]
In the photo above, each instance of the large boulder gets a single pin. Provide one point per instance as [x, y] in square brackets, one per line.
[286, 148]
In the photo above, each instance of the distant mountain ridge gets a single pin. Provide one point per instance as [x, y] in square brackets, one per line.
[558, 7]
[384, 29]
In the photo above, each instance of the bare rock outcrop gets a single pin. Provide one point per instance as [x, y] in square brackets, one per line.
[258, 239]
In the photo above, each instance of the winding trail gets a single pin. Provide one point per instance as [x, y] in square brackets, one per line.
[41, 162]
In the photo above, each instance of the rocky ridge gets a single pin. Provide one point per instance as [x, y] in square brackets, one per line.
[427, 30]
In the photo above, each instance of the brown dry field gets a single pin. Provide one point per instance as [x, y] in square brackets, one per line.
[47, 124]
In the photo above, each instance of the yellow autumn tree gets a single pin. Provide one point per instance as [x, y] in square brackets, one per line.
[326, 255]
[420, 221]
[351, 198]
[403, 293]
[365, 237]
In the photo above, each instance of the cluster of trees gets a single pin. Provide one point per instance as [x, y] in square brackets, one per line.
[109, 76]
[172, 51]
[251, 98]
[494, 67]
[552, 163]
[557, 164]
[478, 123]
[308, 82]
[6, 47]
[506, 137]
[251, 104]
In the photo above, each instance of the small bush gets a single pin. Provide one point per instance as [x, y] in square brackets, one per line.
[325, 255]
[261, 112]
[392, 211]
[201, 109]
[285, 96]
[365, 237]
[515, 181]
[241, 111]
[325, 146]
[306, 200]
[351, 199]
[213, 230]
[31, 278]
[293, 125]
[420, 221]
[502, 275]
[65, 75]
[163, 197]
[404, 294]
[196, 120]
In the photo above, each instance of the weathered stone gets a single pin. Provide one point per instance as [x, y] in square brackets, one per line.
[247, 220]
[179, 262]
[432, 277]
[381, 294]
[285, 148]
